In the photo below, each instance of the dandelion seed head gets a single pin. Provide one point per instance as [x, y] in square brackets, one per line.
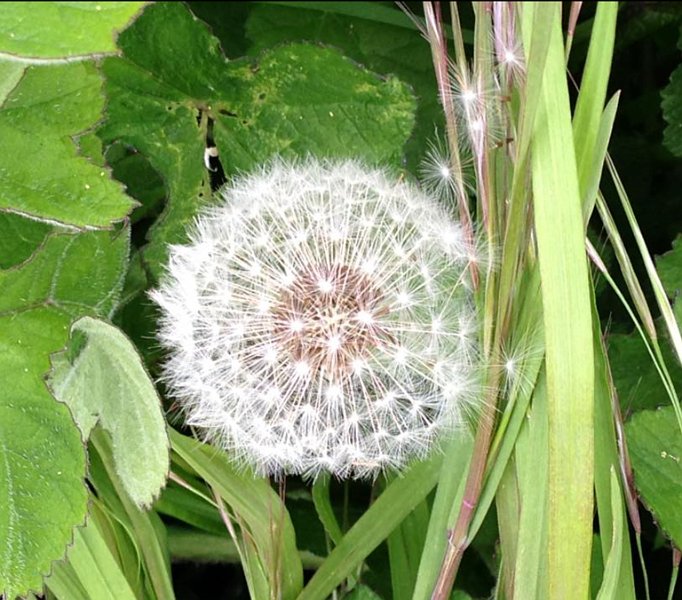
[320, 320]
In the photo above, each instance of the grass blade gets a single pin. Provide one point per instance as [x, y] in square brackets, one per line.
[590, 103]
[270, 546]
[443, 513]
[530, 573]
[609, 585]
[93, 565]
[375, 525]
[568, 329]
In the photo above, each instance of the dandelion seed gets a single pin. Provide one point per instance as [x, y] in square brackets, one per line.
[314, 321]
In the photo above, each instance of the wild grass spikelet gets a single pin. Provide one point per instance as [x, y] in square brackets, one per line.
[320, 320]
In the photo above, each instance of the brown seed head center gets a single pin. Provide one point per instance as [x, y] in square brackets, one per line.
[329, 317]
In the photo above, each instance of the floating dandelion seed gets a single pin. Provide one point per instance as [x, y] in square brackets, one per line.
[319, 321]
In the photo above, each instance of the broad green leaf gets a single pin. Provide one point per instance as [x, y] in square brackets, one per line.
[52, 30]
[672, 110]
[42, 174]
[107, 383]
[42, 460]
[10, 74]
[669, 267]
[173, 88]
[384, 43]
[76, 272]
[19, 238]
[637, 381]
[567, 323]
[268, 539]
[655, 447]
[141, 180]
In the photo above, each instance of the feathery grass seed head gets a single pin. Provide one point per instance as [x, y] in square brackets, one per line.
[319, 320]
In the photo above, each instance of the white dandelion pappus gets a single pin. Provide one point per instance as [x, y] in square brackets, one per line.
[319, 321]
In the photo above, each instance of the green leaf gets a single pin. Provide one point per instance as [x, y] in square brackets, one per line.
[52, 30]
[405, 546]
[606, 460]
[669, 267]
[174, 87]
[377, 36]
[141, 180]
[672, 110]
[107, 383]
[10, 74]
[42, 460]
[446, 504]
[655, 447]
[638, 382]
[76, 272]
[19, 238]
[41, 173]
[530, 578]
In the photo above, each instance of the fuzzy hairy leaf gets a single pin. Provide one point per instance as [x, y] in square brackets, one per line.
[107, 382]
[52, 30]
[655, 446]
[42, 174]
[173, 89]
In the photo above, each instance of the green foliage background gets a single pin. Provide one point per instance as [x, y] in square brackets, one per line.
[102, 140]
